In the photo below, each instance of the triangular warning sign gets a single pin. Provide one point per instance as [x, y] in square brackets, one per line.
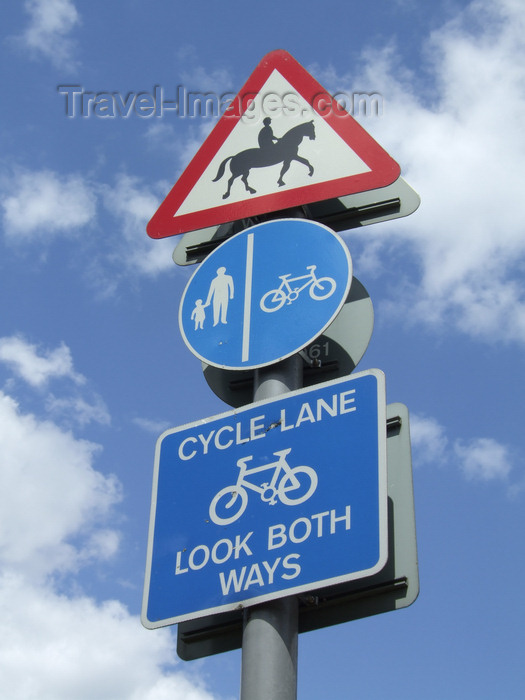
[283, 142]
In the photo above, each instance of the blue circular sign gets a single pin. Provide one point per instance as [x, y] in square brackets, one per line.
[265, 294]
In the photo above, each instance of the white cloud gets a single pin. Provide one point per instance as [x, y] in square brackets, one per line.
[461, 146]
[100, 545]
[133, 206]
[49, 492]
[162, 135]
[151, 426]
[79, 410]
[58, 648]
[483, 459]
[478, 459]
[193, 141]
[54, 512]
[428, 439]
[199, 80]
[51, 22]
[34, 367]
[42, 204]
[183, 145]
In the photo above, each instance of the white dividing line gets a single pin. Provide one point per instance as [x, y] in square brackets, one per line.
[247, 299]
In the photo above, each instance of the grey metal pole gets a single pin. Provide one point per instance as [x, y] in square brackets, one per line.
[269, 641]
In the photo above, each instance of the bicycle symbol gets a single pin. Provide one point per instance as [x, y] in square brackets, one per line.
[320, 288]
[291, 485]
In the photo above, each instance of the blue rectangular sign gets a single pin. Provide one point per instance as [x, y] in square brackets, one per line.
[276, 498]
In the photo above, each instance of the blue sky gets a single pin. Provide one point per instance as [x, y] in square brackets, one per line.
[93, 368]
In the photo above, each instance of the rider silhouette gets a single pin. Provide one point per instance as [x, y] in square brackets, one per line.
[266, 137]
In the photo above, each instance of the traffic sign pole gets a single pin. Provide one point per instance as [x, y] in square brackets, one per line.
[236, 315]
[269, 640]
[269, 651]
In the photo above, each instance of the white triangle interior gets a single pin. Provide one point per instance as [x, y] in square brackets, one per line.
[331, 157]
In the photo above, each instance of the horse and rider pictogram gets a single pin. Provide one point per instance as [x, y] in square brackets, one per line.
[271, 151]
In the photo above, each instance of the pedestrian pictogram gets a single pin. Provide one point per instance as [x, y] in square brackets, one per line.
[219, 294]
[282, 142]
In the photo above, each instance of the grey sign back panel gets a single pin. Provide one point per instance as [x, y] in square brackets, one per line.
[340, 214]
[395, 586]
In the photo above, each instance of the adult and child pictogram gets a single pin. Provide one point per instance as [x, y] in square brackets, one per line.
[219, 294]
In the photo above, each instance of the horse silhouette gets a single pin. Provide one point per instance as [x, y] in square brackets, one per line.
[284, 151]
